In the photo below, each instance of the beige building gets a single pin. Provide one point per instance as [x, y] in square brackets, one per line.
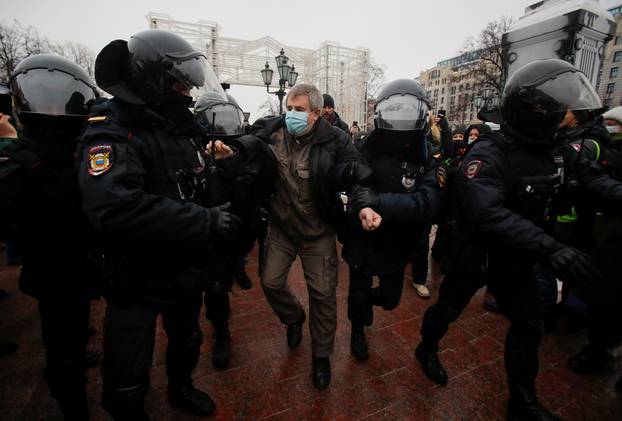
[452, 85]
[610, 85]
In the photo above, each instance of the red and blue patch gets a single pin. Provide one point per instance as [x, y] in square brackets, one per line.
[100, 159]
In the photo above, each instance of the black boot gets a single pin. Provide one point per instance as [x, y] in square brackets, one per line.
[591, 360]
[358, 344]
[321, 372]
[243, 280]
[431, 365]
[221, 353]
[523, 406]
[126, 403]
[7, 348]
[294, 331]
[193, 400]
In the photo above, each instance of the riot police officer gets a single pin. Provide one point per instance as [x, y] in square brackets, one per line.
[142, 174]
[243, 178]
[404, 191]
[42, 211]
[510, 188]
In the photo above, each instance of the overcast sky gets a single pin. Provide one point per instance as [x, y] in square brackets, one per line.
[407, 36]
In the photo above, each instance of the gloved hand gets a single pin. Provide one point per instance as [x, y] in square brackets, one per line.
[223, 222]
[574, 267]
[588, 170]
[356, 172]
[363, 197]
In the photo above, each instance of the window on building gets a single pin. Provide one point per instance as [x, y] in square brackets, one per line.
[617, 56]
[468, 86]
[452, 100]
[435, 93]
[460, 88]
[611, 87]
[613, 73]
[443, 90]
[442, 100]
[618, 40]
[453, 90]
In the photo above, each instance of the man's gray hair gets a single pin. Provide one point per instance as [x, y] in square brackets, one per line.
[316, 100]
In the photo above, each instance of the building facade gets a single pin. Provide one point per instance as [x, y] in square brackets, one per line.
[610, 86]
[453, 85]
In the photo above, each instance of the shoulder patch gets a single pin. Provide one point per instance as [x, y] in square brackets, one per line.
[100, 159]
[97, 119]
[472, 168]
[441, 176]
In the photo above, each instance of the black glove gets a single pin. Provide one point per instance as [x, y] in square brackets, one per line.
[355, 172]
[588, 171]
[224, 222]
[363, 197]
[574, 267]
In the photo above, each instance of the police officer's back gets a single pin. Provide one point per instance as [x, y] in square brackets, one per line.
[41, 210]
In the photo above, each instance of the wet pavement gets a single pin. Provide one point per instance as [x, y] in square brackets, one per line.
[266, 380]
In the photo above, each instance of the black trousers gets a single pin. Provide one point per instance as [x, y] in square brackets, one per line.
[419, 260]
[64, 328]
[222, 268]
[515, 289]
[129, 341]
[362, 297]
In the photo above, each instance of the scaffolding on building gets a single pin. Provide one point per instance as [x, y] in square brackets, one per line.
[341, 72]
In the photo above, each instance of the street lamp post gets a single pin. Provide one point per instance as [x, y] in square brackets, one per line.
[287, 76]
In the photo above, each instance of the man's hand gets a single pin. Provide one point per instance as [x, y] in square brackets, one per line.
[370, 220]
[223, 222]
[222, 150]
[6, 129]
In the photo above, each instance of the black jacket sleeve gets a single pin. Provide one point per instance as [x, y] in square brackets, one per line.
[421, 206]
[481, 193]
[118, 205]
[13, 188]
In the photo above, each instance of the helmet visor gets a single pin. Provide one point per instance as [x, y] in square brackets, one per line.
[569, 91]
[402, 112]
[195, 72]
[51, 92]
[222, 119]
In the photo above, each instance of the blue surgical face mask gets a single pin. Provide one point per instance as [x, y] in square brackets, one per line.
[296, 122]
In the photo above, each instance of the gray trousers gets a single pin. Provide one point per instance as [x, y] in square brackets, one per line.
[319, 263]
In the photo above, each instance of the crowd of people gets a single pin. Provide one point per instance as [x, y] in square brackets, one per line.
[159, 200]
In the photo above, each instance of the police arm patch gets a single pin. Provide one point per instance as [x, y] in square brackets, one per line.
[441, 176]
[100, 159]
[472, 168]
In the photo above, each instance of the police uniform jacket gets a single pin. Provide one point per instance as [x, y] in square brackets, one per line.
[142, 176]
[409, 199]
[41, 211]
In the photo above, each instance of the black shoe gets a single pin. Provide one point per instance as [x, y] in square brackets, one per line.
[243, 280]
[589, 361]
[431, 365]
[294, 331]
[193, 400]
[321, 372]
[221, 351]
[358, 345]
[524, 406]
[7, 348]
[492, 305]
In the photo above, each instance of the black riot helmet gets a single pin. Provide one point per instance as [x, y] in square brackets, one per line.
[402, 105]
[538, 96]
[51, 93]
[145, 69]
[219, 115]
